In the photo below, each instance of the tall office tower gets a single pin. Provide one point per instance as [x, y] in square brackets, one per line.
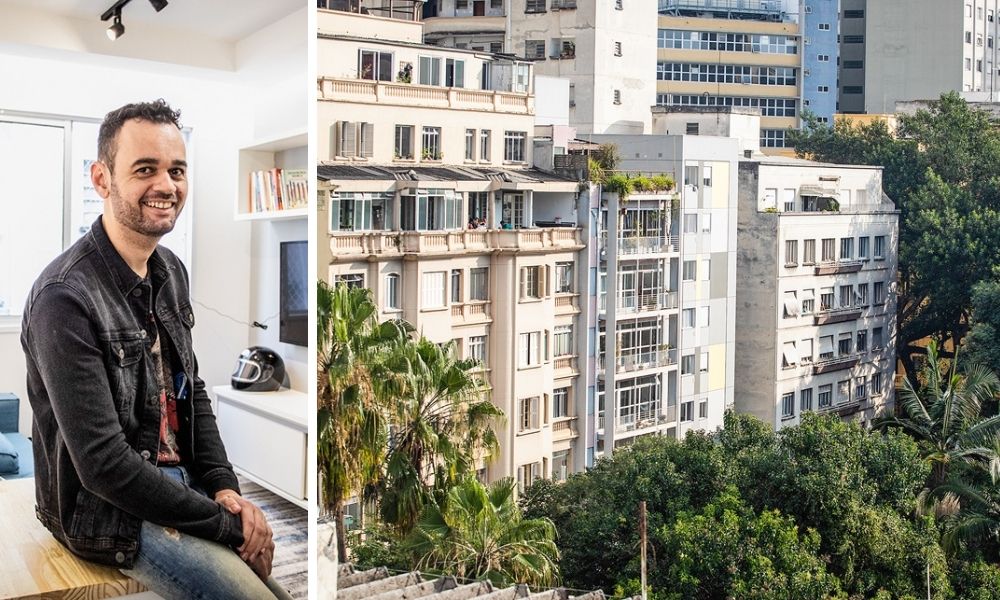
[740, 53]
[605, 48]
[852, 56]
[414, 142]
[918, 49]
[820, 57]
[816, 282]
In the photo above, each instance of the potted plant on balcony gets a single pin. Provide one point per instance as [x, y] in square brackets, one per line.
[405, 74]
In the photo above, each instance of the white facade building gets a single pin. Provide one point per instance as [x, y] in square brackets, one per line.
[415, 142]
[816, 319]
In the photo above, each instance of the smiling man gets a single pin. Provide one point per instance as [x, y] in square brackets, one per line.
[130, 469]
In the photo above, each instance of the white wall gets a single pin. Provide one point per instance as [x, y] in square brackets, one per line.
[224, 111]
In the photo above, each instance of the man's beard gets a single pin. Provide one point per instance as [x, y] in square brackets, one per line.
[130, 214]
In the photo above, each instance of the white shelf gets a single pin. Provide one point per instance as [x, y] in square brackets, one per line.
[274, 215]
[264, 155]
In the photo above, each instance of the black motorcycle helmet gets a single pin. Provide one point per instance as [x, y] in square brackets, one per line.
[259, 369]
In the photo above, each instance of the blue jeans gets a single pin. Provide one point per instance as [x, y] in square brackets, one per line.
[181, 566]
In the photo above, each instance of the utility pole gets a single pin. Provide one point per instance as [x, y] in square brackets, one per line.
[642, 547]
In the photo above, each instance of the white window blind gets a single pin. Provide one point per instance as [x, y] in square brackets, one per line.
[433, 290]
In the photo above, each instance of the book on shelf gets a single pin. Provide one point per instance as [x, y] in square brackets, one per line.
[277, 189]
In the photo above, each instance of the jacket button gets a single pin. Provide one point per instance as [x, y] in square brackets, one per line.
[121, 353]
[136, 292]
[142, 334]
[145, 456]
[190, 317]
[120, 557]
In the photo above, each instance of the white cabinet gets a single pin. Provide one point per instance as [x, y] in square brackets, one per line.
[265, 437]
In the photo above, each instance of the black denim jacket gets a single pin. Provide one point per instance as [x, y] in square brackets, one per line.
[95, 398]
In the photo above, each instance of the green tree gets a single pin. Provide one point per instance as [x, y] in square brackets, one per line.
[442, 424]
[983, 341]
[478, 533]
[727, 551]
[352, 347]
[945, 417]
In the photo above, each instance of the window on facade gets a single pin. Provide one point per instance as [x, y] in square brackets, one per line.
[361, 211]
[826, 347]
[844, 344]
[456, 286]
[862, 294]
[863, 248]
[862, 344]
[691, 129]
[687, 364]
[530, 348]
[706, 176]
[431, 210]
[706, 269]
[706, 223]
[808, 252]
[429, 70]
[846, 296]
[404, 141]
[514, 146]
[562, 340]
[860, 389]
[430, 143]
[534, 49]
[560, 403]
[687, 411]
[769, 107]
[617, 97]
[479, 284]
[478, 205]
[351, 280]
[791, 253]
[690, 269]
[808, 302]
[846, 248]
[790, 305]
[484, 144]
[875, 387]
[877, 342]
[823, 57]
[789, 355]
[716, 73]
[392, 291]
[825, 396]
[878, 292]
[828, 250]
[529, 473]
[690, 223]
[470, 144]
[879, 252]
[703, 408]
[528, 417]
[534, 6]
[531, 282]
[704, 316]
[454, 73]
[788, 405]
[854, 39]
[688, 318]
[563, 48]
[477, 349]
[805, 399]
[805, 351]
[354, 139]
[826, 298]
[564, 277]
[703, 363]
[374, 65]
[843, 391]
[433, 292]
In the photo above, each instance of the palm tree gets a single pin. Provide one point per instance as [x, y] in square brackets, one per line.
[478, 533]
[351, 423]
[945, 417]
[442, 424]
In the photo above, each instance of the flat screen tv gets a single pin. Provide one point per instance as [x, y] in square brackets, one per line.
[294, 309]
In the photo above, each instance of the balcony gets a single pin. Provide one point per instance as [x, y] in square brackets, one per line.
[566, 304]
[633, 303]
[352, 243]
[629, 361]
[838, 363]
[406, 10]
[836, 315]
[630, 246]
[363, 91]
[838, 268]
[564, 428]
[565, 366]
[470, 312]
[633, 422]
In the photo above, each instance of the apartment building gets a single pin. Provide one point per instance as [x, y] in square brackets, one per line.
[816, 281]
[473, 24]
[918, 49]
[820, 57]
[668, 261]
[740, 53]
[429, 198]
[851, 99]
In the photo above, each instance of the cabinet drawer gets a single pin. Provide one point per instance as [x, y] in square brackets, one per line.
[265, 449]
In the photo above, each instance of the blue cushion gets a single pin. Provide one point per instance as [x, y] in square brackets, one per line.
[8, 456]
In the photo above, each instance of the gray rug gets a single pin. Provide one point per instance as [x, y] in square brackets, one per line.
[291, 536]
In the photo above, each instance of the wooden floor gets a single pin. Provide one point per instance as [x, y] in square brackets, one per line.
[34, 565]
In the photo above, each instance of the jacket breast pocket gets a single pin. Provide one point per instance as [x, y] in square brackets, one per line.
[125, 367]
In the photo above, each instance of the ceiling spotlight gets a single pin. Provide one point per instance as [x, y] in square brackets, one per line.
[158, 4]
[116, 30]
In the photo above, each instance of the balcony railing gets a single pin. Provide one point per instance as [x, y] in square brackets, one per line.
[409, 94]
[634, 361]
[837, 363]
[471, 311]
[634, 303]
[381, 242]
[837, 268]
[634, 422]
[646, 244]
[836, 315]
[564, 428]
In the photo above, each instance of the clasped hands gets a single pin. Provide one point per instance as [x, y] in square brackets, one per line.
[258, 546]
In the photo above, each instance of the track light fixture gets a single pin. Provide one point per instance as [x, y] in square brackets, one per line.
[116, 30]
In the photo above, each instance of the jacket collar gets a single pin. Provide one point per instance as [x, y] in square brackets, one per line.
[125, 278]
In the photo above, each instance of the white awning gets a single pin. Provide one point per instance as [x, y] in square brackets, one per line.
[790, 353]
[791, 304]
[826, 344]
[807, 294]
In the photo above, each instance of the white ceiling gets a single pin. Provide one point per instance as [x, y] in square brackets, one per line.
[229, 20]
